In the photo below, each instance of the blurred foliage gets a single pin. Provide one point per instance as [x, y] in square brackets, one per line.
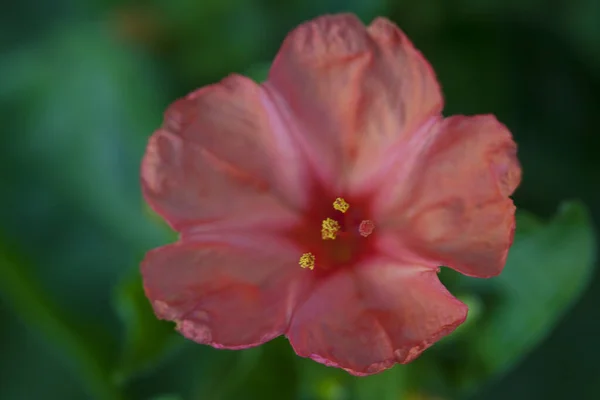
[548, 267]
[85, 83]
[146, 339]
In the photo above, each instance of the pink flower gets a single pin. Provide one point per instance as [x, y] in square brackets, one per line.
[340, 162]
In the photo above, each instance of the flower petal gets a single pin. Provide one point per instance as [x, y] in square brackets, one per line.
[452, 208]
[357, 91]
[366, 320]
[227, 295]
[223, 154]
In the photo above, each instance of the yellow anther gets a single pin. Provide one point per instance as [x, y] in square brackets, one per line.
[307, 261]
[329, 229]
[341, 205]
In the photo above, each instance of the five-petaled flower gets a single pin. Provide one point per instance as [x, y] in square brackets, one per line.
[320, 204]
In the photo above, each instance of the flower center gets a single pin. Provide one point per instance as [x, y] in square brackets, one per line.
[342, 229]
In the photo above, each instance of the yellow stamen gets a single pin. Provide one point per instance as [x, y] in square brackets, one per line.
[341, 205]
[307, 261]
[329, 229]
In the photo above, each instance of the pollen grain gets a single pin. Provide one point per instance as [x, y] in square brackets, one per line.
[329, 229]
[307, 261]
[341, 205]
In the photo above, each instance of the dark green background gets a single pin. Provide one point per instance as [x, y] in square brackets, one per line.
[84, 83]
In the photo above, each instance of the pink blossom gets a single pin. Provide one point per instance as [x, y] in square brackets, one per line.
[255, 178]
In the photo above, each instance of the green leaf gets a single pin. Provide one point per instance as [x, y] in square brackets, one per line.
[319, 382]
[167, 397]
[266, 372]
[91, 103]
[258, 72]
[475, 305]
[86, 353]
[230, 41]
[548, 268]
[147, 339]
[387, 385]
[581, 25]
[90, 108]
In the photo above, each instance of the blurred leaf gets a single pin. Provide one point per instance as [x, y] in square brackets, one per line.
[546, 272]
[265, 372]
[296, 11]
[387, 385]
[209, 40]
[90, 104]
[84, 105]
[475, 305]
[237, 375]
[581, 24]
[495, 7]
[167, 397]
[320, 382]
[548, 267]
[258, 72]
[85, 352]
[150, 214]
[147, 339]
[203, 372]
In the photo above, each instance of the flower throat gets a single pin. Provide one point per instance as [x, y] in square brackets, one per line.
[331, 229]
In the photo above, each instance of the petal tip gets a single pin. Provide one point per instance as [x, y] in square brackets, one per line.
[199, 333]
[407, 355]
[202, 334]
[386, 30]
[369, 370]
[323, 38]
[399, 356]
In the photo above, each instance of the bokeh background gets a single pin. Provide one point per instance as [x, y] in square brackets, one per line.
[84, 83]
